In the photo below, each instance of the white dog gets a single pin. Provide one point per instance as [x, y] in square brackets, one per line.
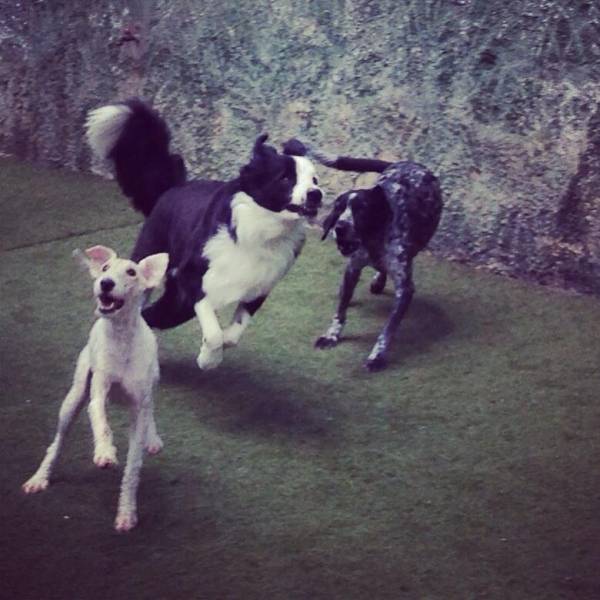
[121, 349]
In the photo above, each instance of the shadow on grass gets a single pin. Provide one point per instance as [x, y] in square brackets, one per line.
[254, 398]
[424, 325]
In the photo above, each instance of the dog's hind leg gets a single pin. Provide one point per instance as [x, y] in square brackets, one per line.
[351, 276]
[153, 443]
[400, 270]
[141, 411]
[68, 411]
[378, 282]
[211, 352]
[241, 319]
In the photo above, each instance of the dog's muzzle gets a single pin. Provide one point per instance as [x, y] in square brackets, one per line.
[108, 304]
[345, 238]
[311, 205]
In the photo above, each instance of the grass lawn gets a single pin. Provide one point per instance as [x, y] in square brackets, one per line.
[470, 468]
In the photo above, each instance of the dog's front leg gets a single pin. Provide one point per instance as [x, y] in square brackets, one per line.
[211, 352]
[349, 281]
[105, 453]
[68, 411]
[241, 319]
[400, 270]
[141, 411]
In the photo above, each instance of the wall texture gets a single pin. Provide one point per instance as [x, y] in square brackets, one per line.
[501, 99]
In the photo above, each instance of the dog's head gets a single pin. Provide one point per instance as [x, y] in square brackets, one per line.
[281, 182]
[119, 283]
[356, 216]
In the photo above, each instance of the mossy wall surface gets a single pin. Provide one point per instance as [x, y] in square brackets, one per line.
[501, 99]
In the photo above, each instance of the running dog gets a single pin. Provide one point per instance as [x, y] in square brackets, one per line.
[385, 227]
[121, 349]
[229, 242]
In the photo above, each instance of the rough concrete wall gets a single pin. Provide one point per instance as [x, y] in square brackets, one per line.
[501, 99]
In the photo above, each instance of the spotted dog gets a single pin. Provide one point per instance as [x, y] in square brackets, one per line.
[384, 227]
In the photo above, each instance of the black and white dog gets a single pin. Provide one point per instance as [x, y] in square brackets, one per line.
[385, 227]
[228, 241]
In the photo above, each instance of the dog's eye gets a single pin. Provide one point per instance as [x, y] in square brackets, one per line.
[315, 181]
[131, 272]
[105, 267]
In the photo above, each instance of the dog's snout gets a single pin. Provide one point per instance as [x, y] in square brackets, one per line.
[314, 198]
[106, 285]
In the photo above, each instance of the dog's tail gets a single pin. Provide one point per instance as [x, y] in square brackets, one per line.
[136, 139]
[341, 163]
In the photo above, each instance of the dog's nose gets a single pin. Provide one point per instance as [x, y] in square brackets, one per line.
[107, 284]
[313, 198]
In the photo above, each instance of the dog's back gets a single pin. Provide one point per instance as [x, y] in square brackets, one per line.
[415, 198]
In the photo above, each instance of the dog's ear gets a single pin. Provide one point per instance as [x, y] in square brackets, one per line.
[331, 219]
[294, 147]
[94, 258]
[153, 269]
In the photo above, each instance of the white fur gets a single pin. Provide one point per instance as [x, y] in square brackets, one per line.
[244, 269]
[305, 176]
[121, 349]
[103, 127]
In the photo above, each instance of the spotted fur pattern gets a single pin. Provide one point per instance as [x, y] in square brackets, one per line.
[384, 227]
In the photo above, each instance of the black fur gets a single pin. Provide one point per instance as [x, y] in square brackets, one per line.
[182, 216]
[145, 168]
[391, 223]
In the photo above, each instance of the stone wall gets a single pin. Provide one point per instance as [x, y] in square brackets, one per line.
[501, 99]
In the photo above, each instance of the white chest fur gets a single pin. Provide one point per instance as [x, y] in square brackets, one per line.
[249, 267]
[124, 353]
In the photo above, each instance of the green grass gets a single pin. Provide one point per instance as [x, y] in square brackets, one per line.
[468, 469]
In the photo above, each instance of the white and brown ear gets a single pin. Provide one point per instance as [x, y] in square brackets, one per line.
[94, 258]
[153, 269]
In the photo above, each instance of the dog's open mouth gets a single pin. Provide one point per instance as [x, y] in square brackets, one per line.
[109, 304]
[303, 210]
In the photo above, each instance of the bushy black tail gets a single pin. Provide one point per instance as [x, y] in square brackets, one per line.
[341, 163]
[136, 139]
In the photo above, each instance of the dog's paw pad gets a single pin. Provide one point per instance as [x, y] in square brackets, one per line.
[375, 364]
[125, 522]
[326, 342]
[35, 485]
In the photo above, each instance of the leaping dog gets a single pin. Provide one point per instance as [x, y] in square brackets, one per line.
[385, 227]
[229, 242]
[121, 349]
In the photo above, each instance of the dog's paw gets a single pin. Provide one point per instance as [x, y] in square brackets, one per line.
[154, 445]
[377, 363]
[105, 457]
[35, 484]
[231, 336]
[125, 521]
[326, 341]
[209, 359]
